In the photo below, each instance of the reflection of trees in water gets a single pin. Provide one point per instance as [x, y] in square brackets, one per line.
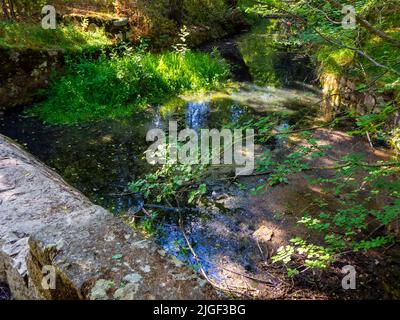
[214, 114]
[260, 56]
[270, 65]
[236, 113]
[197, 115]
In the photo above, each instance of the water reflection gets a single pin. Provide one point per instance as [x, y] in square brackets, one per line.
[270, 64]
[101, 158]
[197, 115]
[157, 122]
[236, 113]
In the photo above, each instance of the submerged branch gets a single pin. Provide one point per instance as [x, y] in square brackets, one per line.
[171, 209]
[239, 290]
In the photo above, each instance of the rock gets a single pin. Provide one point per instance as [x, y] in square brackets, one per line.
[133, 278]
[141, 244]
[99, 291]
[127, 293]
[45, 224]
[4, 292]
[183, 277]
[176, 262]
[24, 72]
[161, 253]
[263, 234]
[369, 102]
[121, 22]
[146, 268]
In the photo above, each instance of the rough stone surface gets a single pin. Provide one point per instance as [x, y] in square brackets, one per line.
[25, 71]
[342, 91]
[46, 222]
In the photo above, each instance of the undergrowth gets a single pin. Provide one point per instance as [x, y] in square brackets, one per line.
[65, 37]
[109, 88]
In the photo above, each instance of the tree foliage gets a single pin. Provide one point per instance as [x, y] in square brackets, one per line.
[368, 52]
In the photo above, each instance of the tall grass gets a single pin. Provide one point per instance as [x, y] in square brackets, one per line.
[67, 37]
[117, 87]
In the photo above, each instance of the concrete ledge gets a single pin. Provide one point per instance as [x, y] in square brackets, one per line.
[46, 222]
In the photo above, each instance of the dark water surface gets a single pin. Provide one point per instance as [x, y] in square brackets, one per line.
[101, 158]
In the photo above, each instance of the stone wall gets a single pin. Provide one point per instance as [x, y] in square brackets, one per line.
[340, 92]
[24, 72]
[46, 225]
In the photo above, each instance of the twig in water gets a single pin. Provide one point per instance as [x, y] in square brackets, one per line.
[170, 209]
[239, 290]
[146, 212]
[265, 258]
[369, 140]
[122, 194]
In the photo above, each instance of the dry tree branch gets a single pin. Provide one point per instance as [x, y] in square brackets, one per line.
[364, 23]
[340, 44]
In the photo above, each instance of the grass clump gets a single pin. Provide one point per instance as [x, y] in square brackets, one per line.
[110, 88]
[65, 37]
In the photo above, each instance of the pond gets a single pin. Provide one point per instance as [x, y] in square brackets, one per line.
[101, 158]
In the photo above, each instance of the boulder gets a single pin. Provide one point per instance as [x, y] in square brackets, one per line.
[56, 244]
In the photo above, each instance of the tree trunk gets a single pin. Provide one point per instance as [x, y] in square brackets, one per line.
[5, 9]
[364, 23]
[11, 9]
[176, 10]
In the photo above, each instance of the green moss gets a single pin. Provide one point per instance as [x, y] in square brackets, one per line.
[334, 61]
[115, 88]
[65, 37]
[340, 60]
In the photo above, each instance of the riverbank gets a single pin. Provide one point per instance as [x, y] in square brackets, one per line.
[33, 57]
